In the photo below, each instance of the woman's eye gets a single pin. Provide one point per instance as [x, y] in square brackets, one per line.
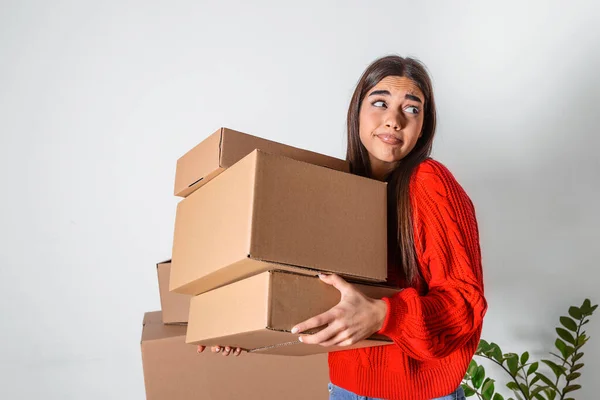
[379, 103]
[412, 109]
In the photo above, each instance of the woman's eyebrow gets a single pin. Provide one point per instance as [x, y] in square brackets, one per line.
[413, 97]
[380, 92]
[387, 93]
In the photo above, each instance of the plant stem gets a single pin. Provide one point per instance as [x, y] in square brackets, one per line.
[562, 395]
[508, 372]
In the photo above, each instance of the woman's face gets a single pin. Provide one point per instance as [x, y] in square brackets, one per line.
[390, 122]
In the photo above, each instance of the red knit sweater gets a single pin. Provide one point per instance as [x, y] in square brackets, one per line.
[435, 326]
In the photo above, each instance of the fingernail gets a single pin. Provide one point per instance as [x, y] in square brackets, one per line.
[300, 338]
[218, 349]
[294, 330]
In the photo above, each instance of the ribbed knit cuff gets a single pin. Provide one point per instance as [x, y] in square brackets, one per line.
[392, 322]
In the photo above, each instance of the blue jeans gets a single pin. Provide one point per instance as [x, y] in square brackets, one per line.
[338, 393]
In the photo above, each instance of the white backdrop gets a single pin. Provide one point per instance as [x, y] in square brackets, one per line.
[99, 99]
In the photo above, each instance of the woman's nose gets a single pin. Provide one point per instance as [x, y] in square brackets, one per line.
[393, 120]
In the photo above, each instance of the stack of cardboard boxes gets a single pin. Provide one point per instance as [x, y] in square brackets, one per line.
[259, 220]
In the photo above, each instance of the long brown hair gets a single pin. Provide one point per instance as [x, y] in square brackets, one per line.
[399, 207]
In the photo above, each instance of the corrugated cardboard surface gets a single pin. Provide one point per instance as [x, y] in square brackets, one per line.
[225, 147]
[174, 371]
[259, 312]
[175, 307]
[278, 210]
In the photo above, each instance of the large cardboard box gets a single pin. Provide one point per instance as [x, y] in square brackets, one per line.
[225, 147]
[258, 313]
[272, 212]
[174, 370]
[175, 307]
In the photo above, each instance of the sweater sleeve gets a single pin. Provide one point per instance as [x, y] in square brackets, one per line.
[434, 325]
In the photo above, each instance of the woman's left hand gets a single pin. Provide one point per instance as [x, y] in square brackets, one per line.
[354, 318]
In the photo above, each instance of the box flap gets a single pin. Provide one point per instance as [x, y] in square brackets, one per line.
[296, 348]
[154, 329]
[236, 145]
[197, 163]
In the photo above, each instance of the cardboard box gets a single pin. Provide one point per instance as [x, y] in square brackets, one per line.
[225, 147]
[175, 307]
[272, 212]
[258, 313]
[174, 370]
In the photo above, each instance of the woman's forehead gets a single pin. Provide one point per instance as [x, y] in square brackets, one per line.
[397, 84]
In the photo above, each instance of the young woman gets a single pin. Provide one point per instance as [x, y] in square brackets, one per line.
[435, 321]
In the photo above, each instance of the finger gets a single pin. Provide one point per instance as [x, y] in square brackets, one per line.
[322, 336]
[342, 337]
[201, 348]
[315, 322]
[215, 349]
[337, 282]
[238, 351]
[226, 351]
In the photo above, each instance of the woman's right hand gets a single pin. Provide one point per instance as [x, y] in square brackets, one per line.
[225, 350]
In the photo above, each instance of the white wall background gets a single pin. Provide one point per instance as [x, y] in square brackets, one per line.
[99, 99]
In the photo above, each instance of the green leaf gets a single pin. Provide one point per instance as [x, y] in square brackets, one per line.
[524, 389]
[568, 323]
[513, 364]
[532, 368]
[524, 357]
[562, 346]
[495, 352]
[478, 377]
[575, 312]
[577, 367]
[518, 395]
[498, 396]
[512, 386]
[586, 306]
[551, 394]
[571, 388]
[557, 369]
[472, 368]
[565, 335]
[535, 378]
[487, 390]
[483, 346]
[469, 391]
[547, 381]
[581, 340]
[572, 376]
[577, 356]
[537, 390]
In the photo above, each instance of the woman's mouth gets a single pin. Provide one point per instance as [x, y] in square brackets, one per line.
[389, 139]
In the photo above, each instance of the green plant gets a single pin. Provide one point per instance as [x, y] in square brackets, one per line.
[527, 383]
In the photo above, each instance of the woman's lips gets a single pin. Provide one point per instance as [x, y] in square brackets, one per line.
[389, 139]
